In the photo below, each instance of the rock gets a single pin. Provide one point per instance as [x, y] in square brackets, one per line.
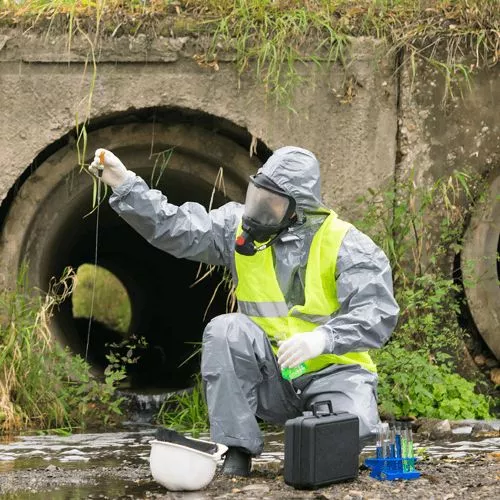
[434, 428]
[483, 429]
[441, 430]
[491, 363]
[495, 376]
[424, 425]
[465, 429]
[256, 488]
[495, 424]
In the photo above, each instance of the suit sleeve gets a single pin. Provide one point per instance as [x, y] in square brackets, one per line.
[186, 231]
[369, 311]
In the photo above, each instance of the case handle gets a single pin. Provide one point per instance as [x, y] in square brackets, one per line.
[316, 404]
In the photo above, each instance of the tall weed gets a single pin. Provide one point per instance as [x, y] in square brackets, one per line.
[186, 411]
[416, 365]
[43, 385]
[278, 34]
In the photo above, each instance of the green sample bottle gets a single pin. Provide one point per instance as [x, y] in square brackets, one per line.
[291, 373]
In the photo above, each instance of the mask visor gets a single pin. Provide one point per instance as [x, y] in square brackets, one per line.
[264, 206]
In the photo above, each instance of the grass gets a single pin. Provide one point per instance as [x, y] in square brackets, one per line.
[24, 339]
[270, 39]
[417, 367]
[42, 385]
[186, 411]
[454, 36]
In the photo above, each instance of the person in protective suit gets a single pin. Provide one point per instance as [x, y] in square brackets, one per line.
[312, 292]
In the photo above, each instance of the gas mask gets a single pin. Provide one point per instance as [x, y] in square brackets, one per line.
[268, 212]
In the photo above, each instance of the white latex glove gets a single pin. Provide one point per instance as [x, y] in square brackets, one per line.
[300, 348]
[109, 167]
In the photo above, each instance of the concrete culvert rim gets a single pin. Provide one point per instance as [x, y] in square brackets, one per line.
[479, 264]
[46, 225]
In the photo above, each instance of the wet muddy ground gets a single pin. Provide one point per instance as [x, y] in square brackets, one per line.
[115, 465]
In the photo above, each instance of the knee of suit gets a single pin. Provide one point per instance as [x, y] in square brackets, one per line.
[234, 329]
[225, 337]
[365, 409]
[218, 328]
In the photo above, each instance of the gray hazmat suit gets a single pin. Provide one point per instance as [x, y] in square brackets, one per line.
[240, 372]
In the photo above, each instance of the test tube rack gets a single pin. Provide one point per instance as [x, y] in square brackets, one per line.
[392, 469]
[394, 453]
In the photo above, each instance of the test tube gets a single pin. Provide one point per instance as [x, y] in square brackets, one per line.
[410, 453]
[386, 441]
[392, 440]
[397, 440]
[404, 446]
[378, 444]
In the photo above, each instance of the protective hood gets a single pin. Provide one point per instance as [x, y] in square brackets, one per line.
[296, 171]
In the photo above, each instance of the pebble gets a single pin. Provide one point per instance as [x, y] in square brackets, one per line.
[441, 430]
[356, 493]
[495, 376]
[261, 488]
[466, 429]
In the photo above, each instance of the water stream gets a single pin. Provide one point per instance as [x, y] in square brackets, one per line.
[129, 449]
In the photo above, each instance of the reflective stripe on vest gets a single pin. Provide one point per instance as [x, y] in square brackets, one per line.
[259, 295]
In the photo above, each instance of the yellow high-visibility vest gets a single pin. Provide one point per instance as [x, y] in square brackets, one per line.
[259, 295]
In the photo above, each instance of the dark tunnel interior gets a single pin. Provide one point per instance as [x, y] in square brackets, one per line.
[166, 308]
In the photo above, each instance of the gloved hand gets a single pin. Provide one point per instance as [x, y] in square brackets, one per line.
[113, 171]
[300, 348]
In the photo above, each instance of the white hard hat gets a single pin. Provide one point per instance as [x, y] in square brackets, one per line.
[179, 467]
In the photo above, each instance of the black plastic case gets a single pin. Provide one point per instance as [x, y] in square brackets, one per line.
[321, 448]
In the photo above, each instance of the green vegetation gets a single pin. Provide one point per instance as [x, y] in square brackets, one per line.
[186, 411]
[110, 304]
[277, 33]
[43, 385]
[413, 383]
[415, 368]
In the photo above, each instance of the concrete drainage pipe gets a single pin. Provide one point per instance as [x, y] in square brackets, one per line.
[480, 266]
[46, 226]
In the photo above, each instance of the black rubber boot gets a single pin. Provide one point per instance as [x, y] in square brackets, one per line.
[237, 462]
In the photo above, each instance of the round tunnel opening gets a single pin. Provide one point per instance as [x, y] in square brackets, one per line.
[52, 225]
[100, 295]
[480, 264]
[167, 310]
[100, 305]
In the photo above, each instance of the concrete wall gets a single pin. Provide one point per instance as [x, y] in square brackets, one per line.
[40, 93]
[461, 134]
[366, 122]
[445, 130]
